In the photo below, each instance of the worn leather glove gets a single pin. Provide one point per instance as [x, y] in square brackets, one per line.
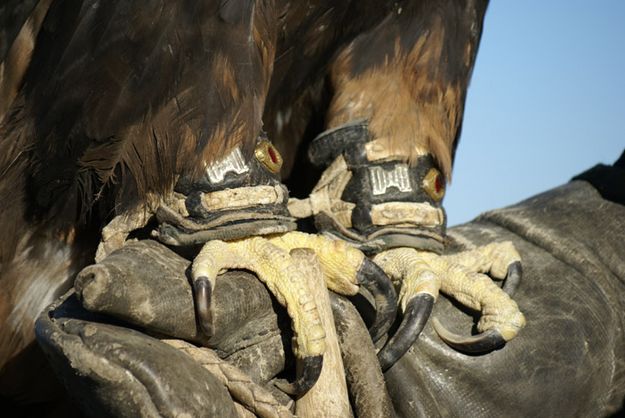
[125, 370]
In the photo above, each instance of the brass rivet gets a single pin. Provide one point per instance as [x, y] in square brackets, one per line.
[434, 185]
[268, 156]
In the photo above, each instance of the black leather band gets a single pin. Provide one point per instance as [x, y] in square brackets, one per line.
[202, 223]
[374, 183]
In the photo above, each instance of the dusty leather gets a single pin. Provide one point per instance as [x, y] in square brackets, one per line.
[568, 361]
[146, 284]
[375, 202]
[115, 371]
[367, 390]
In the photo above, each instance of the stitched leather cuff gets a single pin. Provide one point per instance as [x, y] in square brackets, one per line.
[373, 199]
[236, 197]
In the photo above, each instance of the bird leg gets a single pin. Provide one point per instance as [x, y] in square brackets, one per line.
[395, 118]
[422, 274]
[344, 268]
[236, 197]
[373, 202]
[274, 267]
[238, 213]
[392, 210]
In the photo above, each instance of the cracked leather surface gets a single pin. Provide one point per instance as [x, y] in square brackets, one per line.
[570, 359]
[115, 371]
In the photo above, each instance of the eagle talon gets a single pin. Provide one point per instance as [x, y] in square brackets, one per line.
[416, 315]
[202, 292]
[310, 372]
[482, 343]
[373, 278]
[284, 279]
[345, 269]
[513, 278]
[461, 276]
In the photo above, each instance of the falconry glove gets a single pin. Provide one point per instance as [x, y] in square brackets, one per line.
[114, 338]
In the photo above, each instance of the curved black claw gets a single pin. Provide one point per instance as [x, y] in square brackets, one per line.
[202, 294]
[310, 372]
[513, 278]
[477, 344]
[379, 285]
[417, 312]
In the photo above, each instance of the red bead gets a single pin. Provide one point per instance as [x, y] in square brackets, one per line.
[272, 154]
[438, 184]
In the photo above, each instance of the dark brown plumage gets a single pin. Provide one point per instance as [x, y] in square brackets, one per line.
[120, 98]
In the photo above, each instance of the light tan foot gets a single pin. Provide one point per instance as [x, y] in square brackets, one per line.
[421, 275]
[344, 268]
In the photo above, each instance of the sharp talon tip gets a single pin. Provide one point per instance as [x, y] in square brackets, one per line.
[311, 370]
[373, 278]
[482, 343]
[417, 312]
[286, 387]
[202, 296]
[513, 278]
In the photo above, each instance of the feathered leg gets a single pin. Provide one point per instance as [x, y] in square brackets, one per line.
[394, 121]
[408, 78]
[122, 102]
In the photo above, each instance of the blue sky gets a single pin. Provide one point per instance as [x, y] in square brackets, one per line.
[546, 101]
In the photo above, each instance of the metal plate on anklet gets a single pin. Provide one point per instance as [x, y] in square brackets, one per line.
[233, 163]
[382, 180]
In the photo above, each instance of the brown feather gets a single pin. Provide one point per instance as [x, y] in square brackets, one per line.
[403, 78]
